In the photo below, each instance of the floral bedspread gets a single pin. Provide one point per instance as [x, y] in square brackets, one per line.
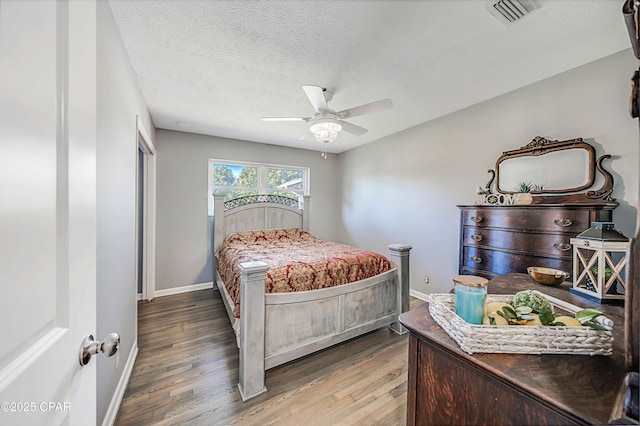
[297, 261]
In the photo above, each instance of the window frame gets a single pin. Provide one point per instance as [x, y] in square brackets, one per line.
[262, 177]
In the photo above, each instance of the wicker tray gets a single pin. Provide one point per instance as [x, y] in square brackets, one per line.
[521, 339]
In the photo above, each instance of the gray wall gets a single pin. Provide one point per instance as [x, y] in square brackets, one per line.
[118, 101]
[405, 188]
[184, 233]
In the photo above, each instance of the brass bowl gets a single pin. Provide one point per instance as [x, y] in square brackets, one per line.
[547, 276]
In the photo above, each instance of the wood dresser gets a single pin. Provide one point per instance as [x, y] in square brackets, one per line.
[496, 240]
[448, 386]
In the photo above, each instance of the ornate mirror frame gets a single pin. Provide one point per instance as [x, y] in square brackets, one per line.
[541, 146]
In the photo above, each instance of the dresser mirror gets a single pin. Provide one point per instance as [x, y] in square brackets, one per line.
[553, 172]
[550, 167]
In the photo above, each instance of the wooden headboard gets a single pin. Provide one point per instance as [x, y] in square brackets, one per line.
[256, 212]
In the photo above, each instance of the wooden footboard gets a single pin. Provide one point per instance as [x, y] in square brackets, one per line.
[277, 328]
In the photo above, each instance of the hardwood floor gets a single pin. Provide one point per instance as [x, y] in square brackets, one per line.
[187, 373]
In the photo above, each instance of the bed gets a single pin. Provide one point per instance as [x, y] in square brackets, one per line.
[275, 328]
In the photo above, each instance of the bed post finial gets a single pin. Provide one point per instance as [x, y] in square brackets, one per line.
[399, 254]
[252, 329]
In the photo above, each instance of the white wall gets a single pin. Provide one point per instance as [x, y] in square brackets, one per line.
[405, 188]
[184, 232]
[119, 100]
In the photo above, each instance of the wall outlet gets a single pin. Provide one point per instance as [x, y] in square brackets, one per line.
[426, 279]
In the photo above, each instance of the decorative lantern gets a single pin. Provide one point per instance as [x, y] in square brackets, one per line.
[600, 256]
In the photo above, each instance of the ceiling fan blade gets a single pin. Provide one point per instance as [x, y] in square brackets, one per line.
[316, 97]
[366, 109]
[353, 129]
[285, 118]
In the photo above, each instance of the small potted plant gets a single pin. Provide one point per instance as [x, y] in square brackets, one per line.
[524, 193]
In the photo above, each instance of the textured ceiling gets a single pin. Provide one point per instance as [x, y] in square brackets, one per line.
[217, 66]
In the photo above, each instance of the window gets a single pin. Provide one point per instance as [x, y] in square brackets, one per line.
[238, 179]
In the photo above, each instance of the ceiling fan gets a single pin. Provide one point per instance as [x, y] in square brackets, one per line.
[326, 123]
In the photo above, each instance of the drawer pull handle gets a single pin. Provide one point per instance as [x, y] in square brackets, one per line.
[476, 219]
[476, 237]
[563, 222]
[562, 246]
[476, 259]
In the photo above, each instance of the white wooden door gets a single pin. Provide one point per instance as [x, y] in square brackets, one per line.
[47, 211]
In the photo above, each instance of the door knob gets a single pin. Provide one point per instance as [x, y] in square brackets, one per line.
[109, 346]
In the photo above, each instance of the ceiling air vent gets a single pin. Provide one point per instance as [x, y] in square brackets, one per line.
[509, 11]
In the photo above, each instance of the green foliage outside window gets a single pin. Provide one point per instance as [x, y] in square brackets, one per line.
[248, 177]
[284, 178]
[222, 175]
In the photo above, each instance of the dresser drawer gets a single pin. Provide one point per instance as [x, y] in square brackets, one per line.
[550, 244]
[523, 218]
[500, 262]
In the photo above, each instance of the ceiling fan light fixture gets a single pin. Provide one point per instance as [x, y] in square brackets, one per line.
[327, 123]
[325, 130]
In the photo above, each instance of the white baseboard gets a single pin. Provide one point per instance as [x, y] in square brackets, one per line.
[419, 295]
[114, 406]
[139, 297]
[184, 289]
